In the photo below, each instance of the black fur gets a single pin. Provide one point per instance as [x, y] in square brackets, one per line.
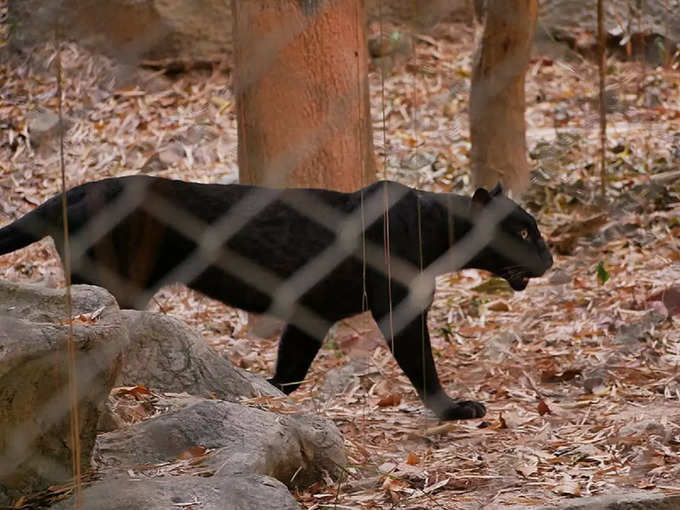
[295, 253]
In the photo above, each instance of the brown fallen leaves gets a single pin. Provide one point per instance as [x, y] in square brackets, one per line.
[613, 392]
[193, 453]
[564, 238]
[543, 408]
[393, 399]
[412, 459]
[670, 298]
[568, 486]
[87, 319]
[132, 404]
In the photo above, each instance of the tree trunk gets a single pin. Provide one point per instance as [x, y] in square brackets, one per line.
[497, 127]
[301, 86]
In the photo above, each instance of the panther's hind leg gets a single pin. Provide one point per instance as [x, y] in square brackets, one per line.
[297, 350]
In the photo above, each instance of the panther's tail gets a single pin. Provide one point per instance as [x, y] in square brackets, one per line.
[15, 236]
[43, 221]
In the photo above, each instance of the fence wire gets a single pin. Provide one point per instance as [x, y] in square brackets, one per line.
[211, 242]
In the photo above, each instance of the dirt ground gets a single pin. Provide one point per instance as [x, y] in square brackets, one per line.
[579, 372]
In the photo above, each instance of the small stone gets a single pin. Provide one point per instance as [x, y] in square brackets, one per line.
[171, 153]
[417, 160]
[43, 126]
[653, 97]
[559, 277]
[340, 379]
[594, 385]
[153, 164]
[498, 306]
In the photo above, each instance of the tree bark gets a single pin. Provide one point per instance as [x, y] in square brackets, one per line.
[301, 86]
[497, 126]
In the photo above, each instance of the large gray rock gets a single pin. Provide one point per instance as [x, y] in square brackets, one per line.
[218, 492]
[43, 127]
[167, 355]
[132, 30]
[632, 501]
[126, 29]
[35, 444]
[294, 449]
[568, 19]
[420, 15]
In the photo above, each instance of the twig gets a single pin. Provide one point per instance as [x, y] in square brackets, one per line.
[603, 112]
[71, 348]
[667, 41]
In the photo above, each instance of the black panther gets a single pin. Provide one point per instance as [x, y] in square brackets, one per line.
[308, 256]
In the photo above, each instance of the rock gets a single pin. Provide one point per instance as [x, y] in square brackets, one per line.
[417, 161]
[574, 20]
[357, 337]
[595, 379]
[5, 500]
[390, 51]
[249, 452]
[339, 380]
[559, 277]
[132, 30]
[670, 298]
[152, 164]
[34, 397]
[43, 127]
[595, 385]
[264, 326]
[632, 501]
[418, 15]
[294, 449]
[167, 355]
[500, 346]
[218, 492]
[630, 335]
[126, 29]
[171, 154]
[648, 429]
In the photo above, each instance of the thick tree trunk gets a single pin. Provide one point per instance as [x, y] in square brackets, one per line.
[497, 127]
[301, 86]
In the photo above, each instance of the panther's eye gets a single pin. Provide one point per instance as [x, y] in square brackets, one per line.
[524, 234]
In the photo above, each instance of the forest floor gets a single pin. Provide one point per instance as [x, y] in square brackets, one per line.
[580, 372]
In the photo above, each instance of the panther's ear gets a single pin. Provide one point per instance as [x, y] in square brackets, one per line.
[480, 197]
[497, 189]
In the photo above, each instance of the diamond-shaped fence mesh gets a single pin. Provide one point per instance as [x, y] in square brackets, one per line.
[280, 249]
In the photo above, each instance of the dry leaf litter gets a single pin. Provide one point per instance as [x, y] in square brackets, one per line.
[579, 372]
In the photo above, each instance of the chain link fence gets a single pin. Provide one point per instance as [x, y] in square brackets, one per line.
[283, 251]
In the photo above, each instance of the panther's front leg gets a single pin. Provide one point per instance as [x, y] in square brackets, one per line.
[413, 352]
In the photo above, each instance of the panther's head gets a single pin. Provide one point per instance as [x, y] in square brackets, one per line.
[513, 248]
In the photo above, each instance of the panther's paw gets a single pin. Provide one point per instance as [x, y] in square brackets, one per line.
[463, 410]
[285, 388]
[448, 409]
